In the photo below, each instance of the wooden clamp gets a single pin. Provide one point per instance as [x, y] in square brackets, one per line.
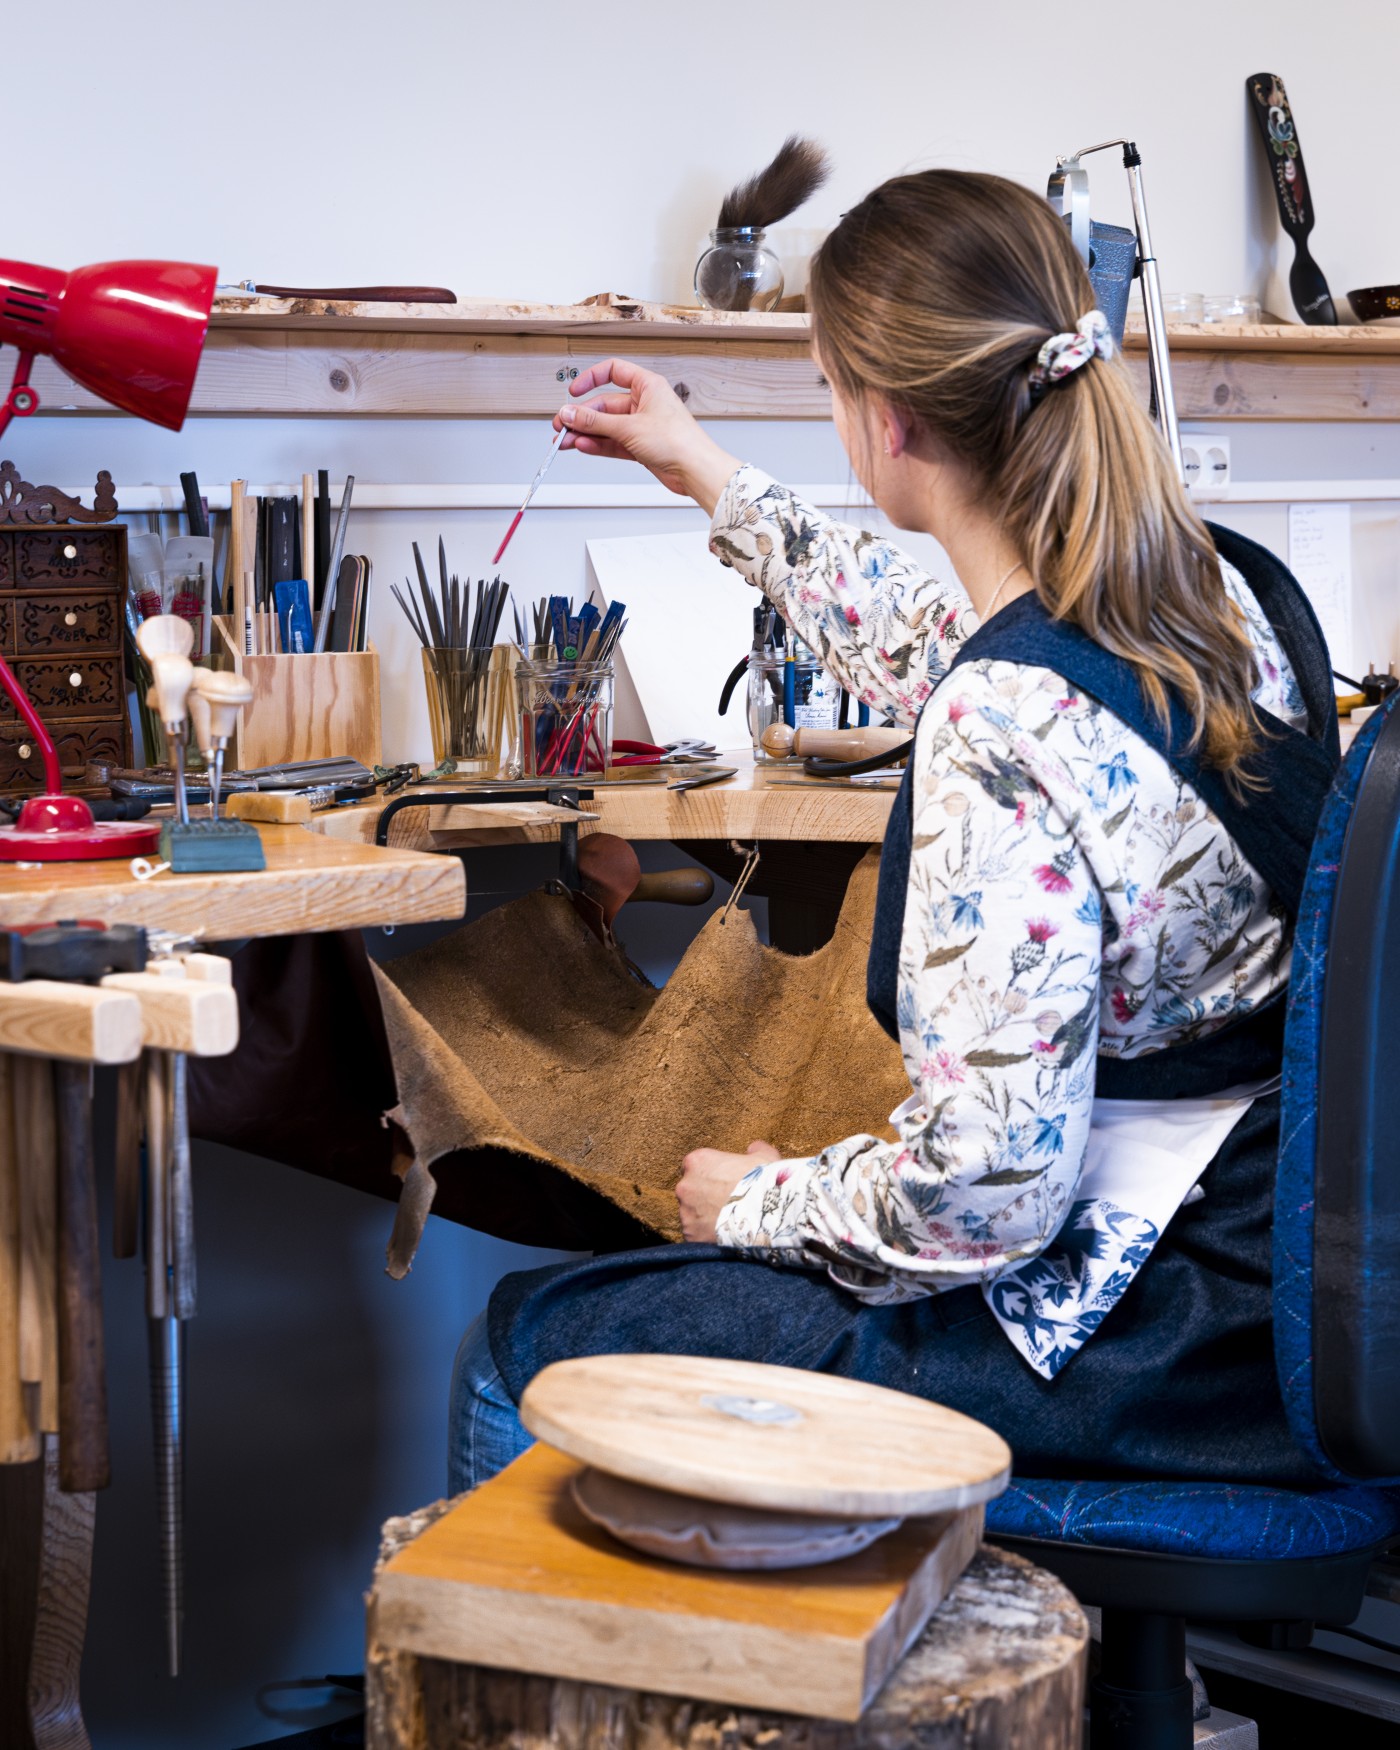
[75, 1023]
[180, 1012]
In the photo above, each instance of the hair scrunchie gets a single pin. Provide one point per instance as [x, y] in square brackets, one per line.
[1065, 353]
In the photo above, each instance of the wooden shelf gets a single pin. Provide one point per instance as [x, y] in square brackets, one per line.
[273, 357]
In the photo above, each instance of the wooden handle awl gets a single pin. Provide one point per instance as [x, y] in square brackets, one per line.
[832, 744]
[676, 886]
[83, 1462]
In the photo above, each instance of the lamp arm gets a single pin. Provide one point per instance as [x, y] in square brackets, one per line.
[53, 783]
[21, 398]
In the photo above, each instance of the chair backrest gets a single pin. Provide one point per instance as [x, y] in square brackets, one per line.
[1337, 1201]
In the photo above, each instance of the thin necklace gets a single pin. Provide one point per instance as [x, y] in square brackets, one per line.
[991, 605]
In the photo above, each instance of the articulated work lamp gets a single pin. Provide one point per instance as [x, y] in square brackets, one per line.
[132, 333]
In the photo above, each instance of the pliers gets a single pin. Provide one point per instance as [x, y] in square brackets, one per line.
[647, 753]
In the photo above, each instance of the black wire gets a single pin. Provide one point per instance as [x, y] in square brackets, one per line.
[1355, 1634]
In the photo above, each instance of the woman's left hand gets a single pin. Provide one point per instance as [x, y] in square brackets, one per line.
[708, 1178]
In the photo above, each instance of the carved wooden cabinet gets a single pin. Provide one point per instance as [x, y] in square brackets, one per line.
[61, 591]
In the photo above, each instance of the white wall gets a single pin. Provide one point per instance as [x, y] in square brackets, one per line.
[547, 150]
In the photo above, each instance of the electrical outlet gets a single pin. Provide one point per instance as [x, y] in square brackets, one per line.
[1205, 461]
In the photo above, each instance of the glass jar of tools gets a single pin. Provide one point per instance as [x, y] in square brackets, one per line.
[565, 712]
[806, 698]
[471, 708]
[738, 271]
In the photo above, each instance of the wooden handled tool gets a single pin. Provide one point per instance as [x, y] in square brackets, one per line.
[832, 744]
[36, 1149]
[126, 1203]
[51, 1360]
[676, 886]
[187, 1004]
[215, 704]
[19, 1431]
[610, 875]
[84, 1462]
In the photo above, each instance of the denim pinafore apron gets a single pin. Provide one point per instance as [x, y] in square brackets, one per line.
[1273, 827]
[1179, 1380]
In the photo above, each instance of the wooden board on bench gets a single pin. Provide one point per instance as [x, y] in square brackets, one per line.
[515, 1577]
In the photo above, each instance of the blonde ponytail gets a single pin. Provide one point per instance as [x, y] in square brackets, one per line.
[937, 293]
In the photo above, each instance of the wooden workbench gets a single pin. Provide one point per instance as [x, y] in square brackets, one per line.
[768, 804]
[311, 883]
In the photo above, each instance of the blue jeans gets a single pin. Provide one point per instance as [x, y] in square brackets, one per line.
[1179, 1382]
[484, 1429]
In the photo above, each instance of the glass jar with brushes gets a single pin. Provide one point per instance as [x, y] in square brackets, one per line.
[471, 708]
[564, 686]
[565, 714]
[468, 678]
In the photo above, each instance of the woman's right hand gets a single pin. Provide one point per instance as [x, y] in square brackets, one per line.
[646, 423]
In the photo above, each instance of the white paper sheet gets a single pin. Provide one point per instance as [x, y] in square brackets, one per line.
[689, 620]
[1319, 556]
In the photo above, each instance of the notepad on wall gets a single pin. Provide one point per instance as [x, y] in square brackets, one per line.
[689, 620]
[1319, 556]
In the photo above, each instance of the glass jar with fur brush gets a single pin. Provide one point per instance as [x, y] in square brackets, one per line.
[738, 271]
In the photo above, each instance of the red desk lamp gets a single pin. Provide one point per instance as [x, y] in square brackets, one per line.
[132, 333]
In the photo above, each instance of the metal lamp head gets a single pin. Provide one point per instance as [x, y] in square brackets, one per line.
[131, 331]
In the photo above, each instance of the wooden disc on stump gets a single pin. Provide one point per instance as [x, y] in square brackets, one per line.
[762, 1436]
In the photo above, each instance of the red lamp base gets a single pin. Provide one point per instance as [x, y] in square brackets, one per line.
[60, 829]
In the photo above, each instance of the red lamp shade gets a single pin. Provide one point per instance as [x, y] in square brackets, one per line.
[131, 331]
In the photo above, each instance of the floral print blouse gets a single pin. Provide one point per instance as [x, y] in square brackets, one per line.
[1069, 894]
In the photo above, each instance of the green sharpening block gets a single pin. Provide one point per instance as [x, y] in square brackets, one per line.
[201, 847]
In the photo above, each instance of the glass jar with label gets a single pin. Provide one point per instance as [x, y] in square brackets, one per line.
[816, 696]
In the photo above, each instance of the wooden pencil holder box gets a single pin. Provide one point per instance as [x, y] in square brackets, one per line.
[308, 707]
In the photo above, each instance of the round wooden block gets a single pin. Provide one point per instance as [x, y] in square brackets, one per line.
[760, 1436]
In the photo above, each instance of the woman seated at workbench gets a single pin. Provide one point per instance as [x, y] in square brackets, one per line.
[1078, 942]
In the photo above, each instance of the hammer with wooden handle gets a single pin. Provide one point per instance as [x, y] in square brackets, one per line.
[48, 1223]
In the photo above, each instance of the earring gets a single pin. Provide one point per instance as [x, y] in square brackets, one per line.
[887, 446]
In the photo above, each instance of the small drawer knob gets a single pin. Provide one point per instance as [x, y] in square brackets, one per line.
[70, 618]
[25, 750]
[75, 679]
[70, 551]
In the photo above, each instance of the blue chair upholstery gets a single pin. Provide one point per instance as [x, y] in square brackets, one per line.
[1151, 1553]
[1238, 1521]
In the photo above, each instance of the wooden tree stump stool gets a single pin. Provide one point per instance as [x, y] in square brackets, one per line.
[1001, 1664]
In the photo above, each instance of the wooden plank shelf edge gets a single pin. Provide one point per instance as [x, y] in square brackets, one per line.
[274, 358]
